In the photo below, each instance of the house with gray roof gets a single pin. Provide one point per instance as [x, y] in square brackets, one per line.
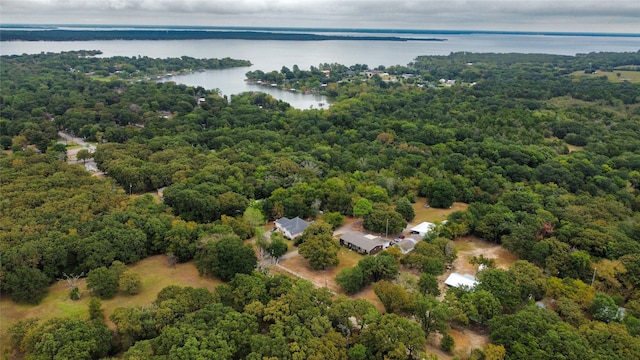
[291, 228]
[363, 243]
[407, 244]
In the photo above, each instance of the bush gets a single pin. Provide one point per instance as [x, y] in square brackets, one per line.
[74, 294]
[447, 343]
[130, 283]
[27, 285]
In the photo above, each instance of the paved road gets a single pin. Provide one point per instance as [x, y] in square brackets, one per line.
[71, 154]
[77, 140]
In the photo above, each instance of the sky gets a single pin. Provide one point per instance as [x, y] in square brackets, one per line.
[610, 16]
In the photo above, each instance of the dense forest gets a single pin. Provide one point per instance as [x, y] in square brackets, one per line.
[544, 150]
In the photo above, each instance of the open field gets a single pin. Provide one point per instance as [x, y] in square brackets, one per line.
[424, 213]
[625, 75]
[155, 273]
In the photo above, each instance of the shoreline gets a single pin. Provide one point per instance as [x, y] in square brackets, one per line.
[86, 35]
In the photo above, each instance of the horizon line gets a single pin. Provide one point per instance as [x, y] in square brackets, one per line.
[333, 29]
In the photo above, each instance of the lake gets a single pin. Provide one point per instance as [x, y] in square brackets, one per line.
[272, 55]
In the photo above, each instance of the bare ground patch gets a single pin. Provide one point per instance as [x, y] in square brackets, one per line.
[322, 278]
[470, 246]
[467, 339]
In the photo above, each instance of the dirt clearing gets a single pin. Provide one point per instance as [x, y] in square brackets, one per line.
[470, 246]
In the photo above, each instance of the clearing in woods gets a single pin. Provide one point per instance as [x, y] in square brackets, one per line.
[467, 247]
[156, 275]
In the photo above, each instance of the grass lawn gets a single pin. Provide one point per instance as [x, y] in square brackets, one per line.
[625, 75]
[424, 213]
[155, 273]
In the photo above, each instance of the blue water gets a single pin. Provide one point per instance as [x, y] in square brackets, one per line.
[268, 55]
[310, 30]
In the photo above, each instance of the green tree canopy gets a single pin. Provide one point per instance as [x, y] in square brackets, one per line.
[102, 283]
[321, 251]
[225, 257]
[27, 285]
[441, 194]
[383, 219]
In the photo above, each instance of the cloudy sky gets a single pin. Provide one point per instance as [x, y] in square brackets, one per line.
[527, 15]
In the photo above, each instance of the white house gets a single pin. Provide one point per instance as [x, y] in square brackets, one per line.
[291, 228]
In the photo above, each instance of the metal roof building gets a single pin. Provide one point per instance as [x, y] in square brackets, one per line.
[363, 243]
[458, 280]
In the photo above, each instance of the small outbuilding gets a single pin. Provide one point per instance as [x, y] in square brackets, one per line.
[291, 228]
[423, 229]
[407, 244]
[363, 243]
[458, 280]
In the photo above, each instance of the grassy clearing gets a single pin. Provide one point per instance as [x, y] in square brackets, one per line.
[625, 75]
[424, 213]
[155, 273]
[570, 147]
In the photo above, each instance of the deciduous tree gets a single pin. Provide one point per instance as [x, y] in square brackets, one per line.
[225, 257]
[102, 283]
[321, 251]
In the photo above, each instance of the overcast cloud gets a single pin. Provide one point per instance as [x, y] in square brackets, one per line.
[527, 15]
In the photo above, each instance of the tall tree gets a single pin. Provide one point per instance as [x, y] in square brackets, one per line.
[225, 257]
[27, 284]
[362, 207]
[383, 219]
[321, 251]
[441, 194]
[392, 334]
[405, 208]
[350, 279]
[102, 283]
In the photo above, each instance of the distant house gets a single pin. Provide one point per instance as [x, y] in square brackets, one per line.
[458, 280]
[363, 243]
[291, 228]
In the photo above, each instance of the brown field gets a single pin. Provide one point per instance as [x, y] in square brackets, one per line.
[156, 275]
[465, 340]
